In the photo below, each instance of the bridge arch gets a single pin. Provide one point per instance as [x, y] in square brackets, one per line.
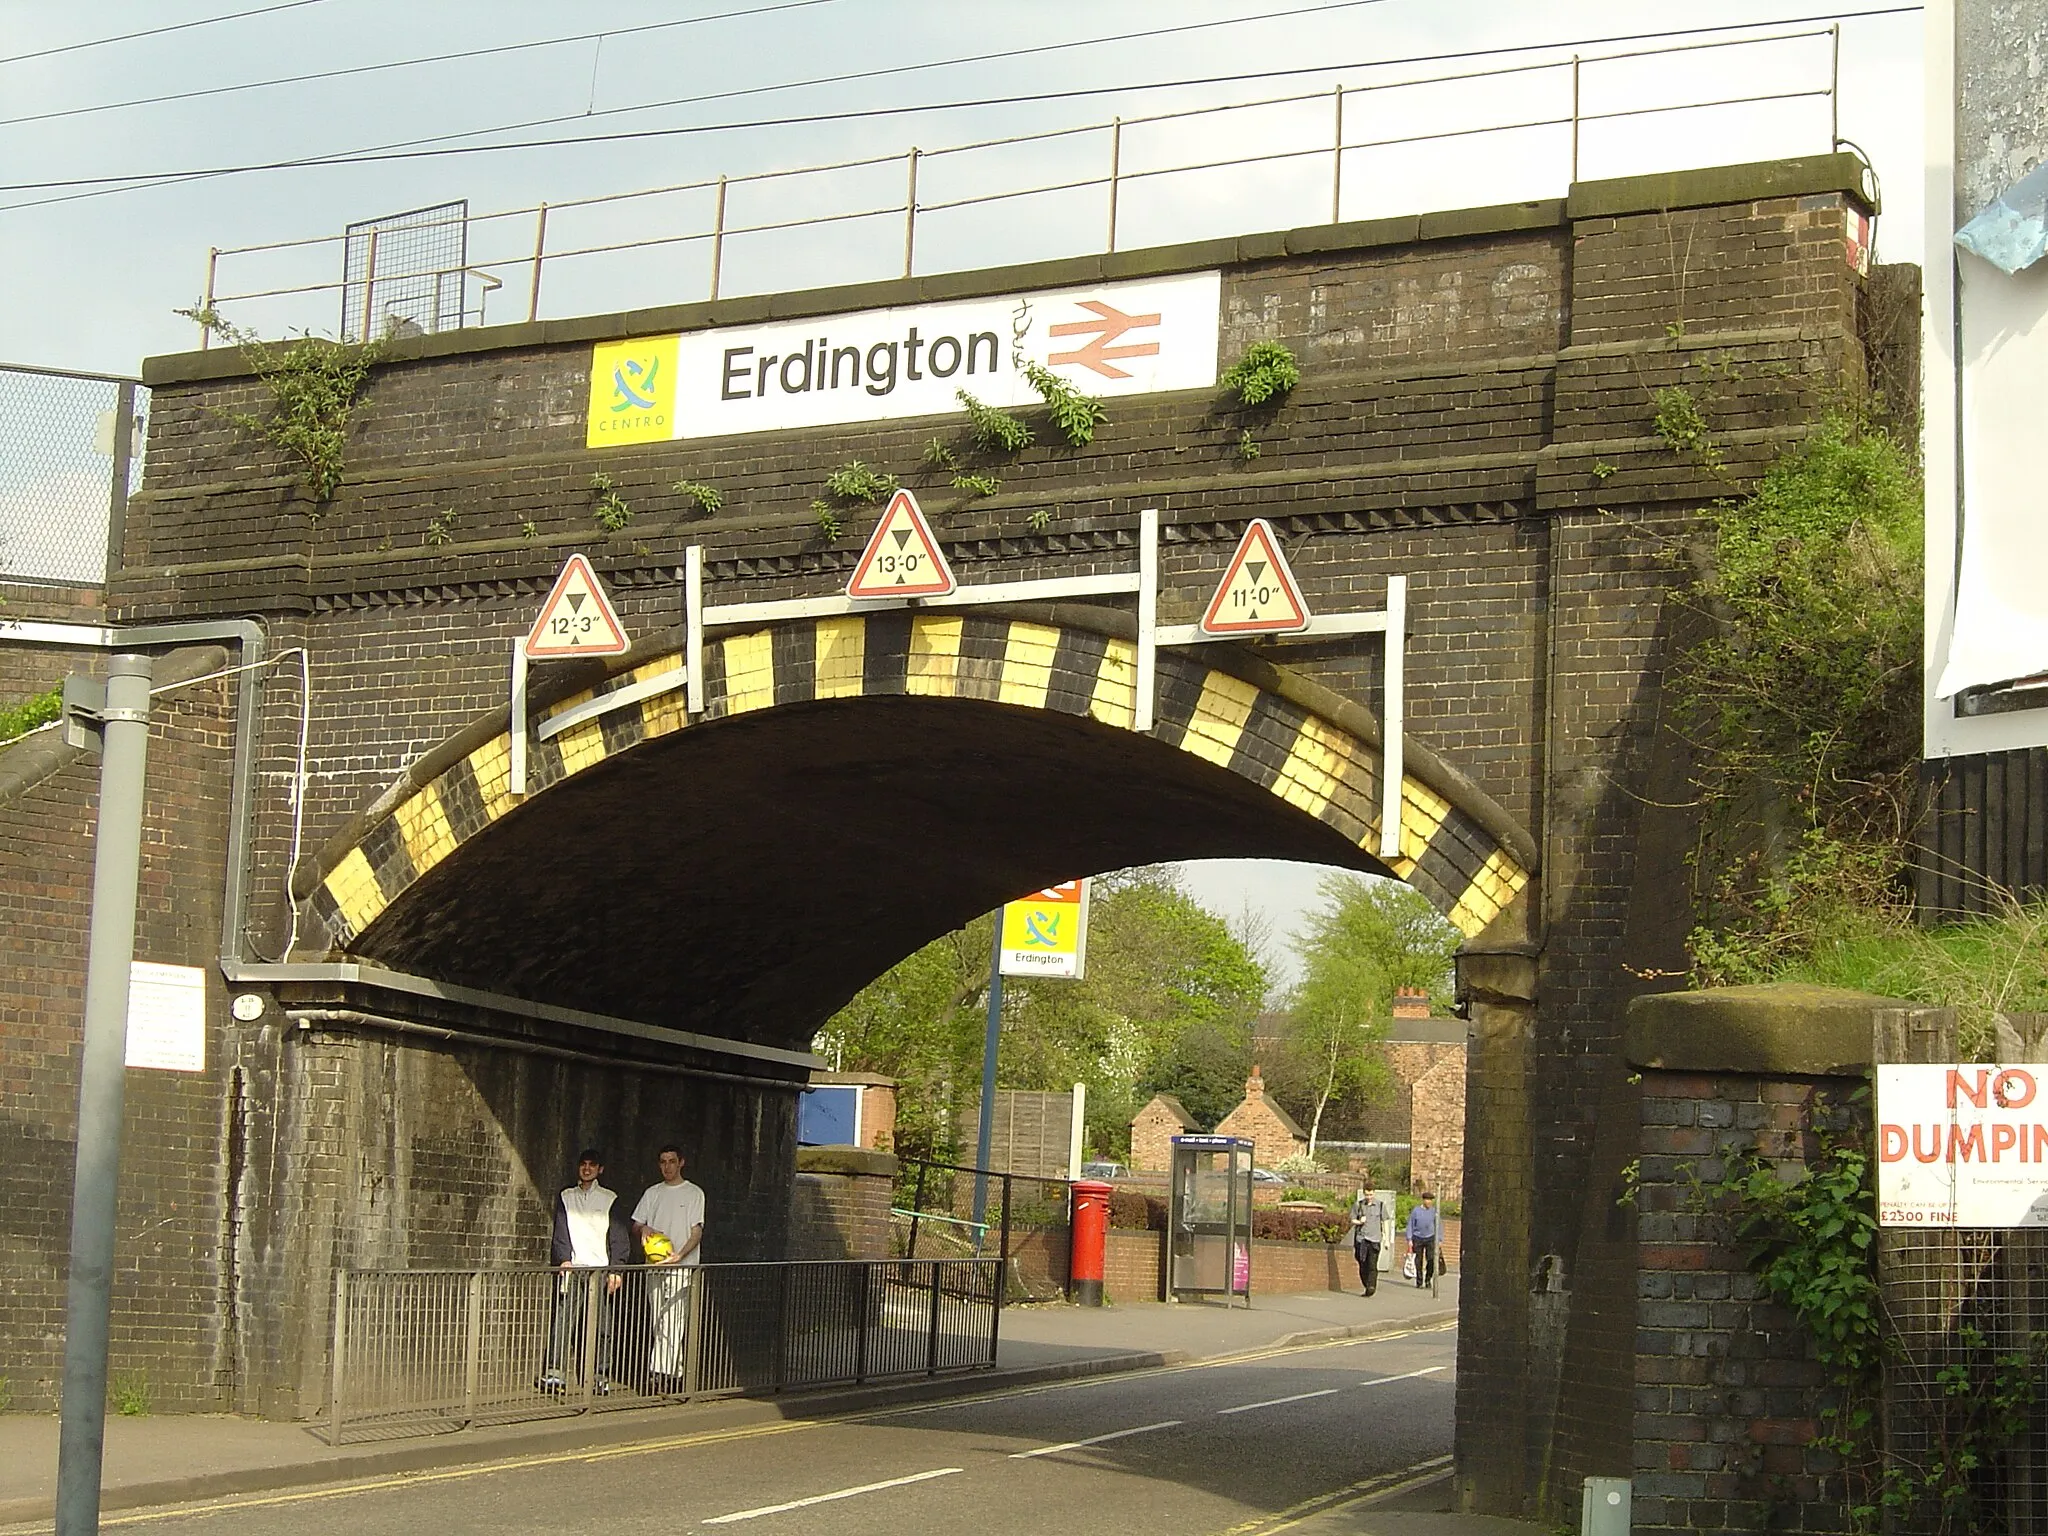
[854, 787]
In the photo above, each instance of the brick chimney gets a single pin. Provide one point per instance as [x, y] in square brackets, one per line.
[1411, 1002]
[1255, 1085]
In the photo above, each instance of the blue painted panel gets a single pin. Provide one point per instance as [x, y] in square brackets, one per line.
[825, 1117]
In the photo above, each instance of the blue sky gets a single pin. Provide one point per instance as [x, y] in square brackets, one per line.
[105, 272]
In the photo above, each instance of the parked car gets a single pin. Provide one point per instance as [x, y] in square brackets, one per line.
[1104, 1171]
[1266, 1176]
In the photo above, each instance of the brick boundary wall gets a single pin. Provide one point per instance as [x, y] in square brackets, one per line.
[1729, 1392]
[839, 1205]
[1134, 1267]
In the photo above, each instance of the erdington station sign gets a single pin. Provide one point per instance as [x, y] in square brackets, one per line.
[1961, 1146]
[883, 364]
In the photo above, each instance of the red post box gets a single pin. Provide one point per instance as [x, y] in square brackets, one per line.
[1089, 1242]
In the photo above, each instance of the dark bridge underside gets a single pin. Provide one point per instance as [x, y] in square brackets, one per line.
[748, 877]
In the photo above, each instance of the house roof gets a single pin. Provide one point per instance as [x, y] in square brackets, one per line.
[1174, 1107]
[1272, 1107]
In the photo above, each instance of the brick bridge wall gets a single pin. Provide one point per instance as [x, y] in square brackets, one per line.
[1475, 413]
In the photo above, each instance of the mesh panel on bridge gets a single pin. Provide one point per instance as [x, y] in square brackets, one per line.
[60, 486]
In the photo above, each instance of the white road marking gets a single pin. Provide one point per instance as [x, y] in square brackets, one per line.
[1275, 1402]
[1381, 1381]
[827, 1498]
[1075, 1445]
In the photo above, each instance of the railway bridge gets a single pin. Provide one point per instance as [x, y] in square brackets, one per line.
[425, 990]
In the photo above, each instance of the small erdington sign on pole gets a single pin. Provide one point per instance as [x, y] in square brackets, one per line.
[1961, 1146]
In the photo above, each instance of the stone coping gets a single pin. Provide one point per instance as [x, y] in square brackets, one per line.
[1783, 1029]
[856, 1160]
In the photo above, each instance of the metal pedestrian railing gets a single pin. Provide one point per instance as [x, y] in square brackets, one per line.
[425, 1351]
[1316, 149]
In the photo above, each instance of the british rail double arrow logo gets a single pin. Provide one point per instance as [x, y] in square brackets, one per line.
[1108, 325]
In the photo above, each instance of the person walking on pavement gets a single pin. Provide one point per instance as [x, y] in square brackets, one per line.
[590, 1232]
[1422, 1238]
[669, 1221]
[1368, 1231]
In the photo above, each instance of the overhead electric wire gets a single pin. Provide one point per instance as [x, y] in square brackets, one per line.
[418, 63]
[409, 150]
[129, 37]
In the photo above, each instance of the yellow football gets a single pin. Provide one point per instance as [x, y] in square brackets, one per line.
[657, 1247]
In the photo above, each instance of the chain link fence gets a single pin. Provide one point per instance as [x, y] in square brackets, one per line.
[70, 456]
[1964, 1378]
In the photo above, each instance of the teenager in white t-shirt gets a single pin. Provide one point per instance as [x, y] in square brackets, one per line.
[674, 1209]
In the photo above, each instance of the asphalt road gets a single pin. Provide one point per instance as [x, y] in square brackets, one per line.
[1236, 1446]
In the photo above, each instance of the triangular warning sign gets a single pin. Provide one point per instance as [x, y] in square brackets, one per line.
[1258, 595]
[902, 559]
[577, 619]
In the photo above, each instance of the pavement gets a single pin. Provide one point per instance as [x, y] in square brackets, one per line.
[156, 1460]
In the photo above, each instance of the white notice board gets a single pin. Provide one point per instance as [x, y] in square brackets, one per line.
[166, 1017]
[1961, 1145]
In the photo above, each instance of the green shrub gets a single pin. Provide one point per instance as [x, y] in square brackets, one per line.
[1267, 371]
[1802, 702]
[707, 498]
[607, 506]
[857, 484]
[1075, 415]
[993, 431]
[19, 719]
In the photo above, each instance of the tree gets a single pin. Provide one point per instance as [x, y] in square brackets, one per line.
[1159, 967]
[1370, 937]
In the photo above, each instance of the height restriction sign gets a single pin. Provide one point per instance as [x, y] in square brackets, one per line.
[902, 558]
[577, 619]
[1046, 933]
[1257, 595]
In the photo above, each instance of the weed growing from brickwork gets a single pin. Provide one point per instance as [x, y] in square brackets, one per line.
[852, 485]
[856, 484]
[706, 498]
[315, 388]
[440, 528]
[1266, 372]
[1683, 425]
[130, 1391]
[1075, 415]
[993, 431]
[607, 506]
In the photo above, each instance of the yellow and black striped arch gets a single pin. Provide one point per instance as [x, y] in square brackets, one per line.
[1304, 759]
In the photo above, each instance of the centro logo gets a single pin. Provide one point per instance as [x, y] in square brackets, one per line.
[634, 381]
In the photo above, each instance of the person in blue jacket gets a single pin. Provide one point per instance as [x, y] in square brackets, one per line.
[1422, 1236]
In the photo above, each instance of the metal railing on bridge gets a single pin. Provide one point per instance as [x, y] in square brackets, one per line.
[1300, 155]
[424, 1351]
